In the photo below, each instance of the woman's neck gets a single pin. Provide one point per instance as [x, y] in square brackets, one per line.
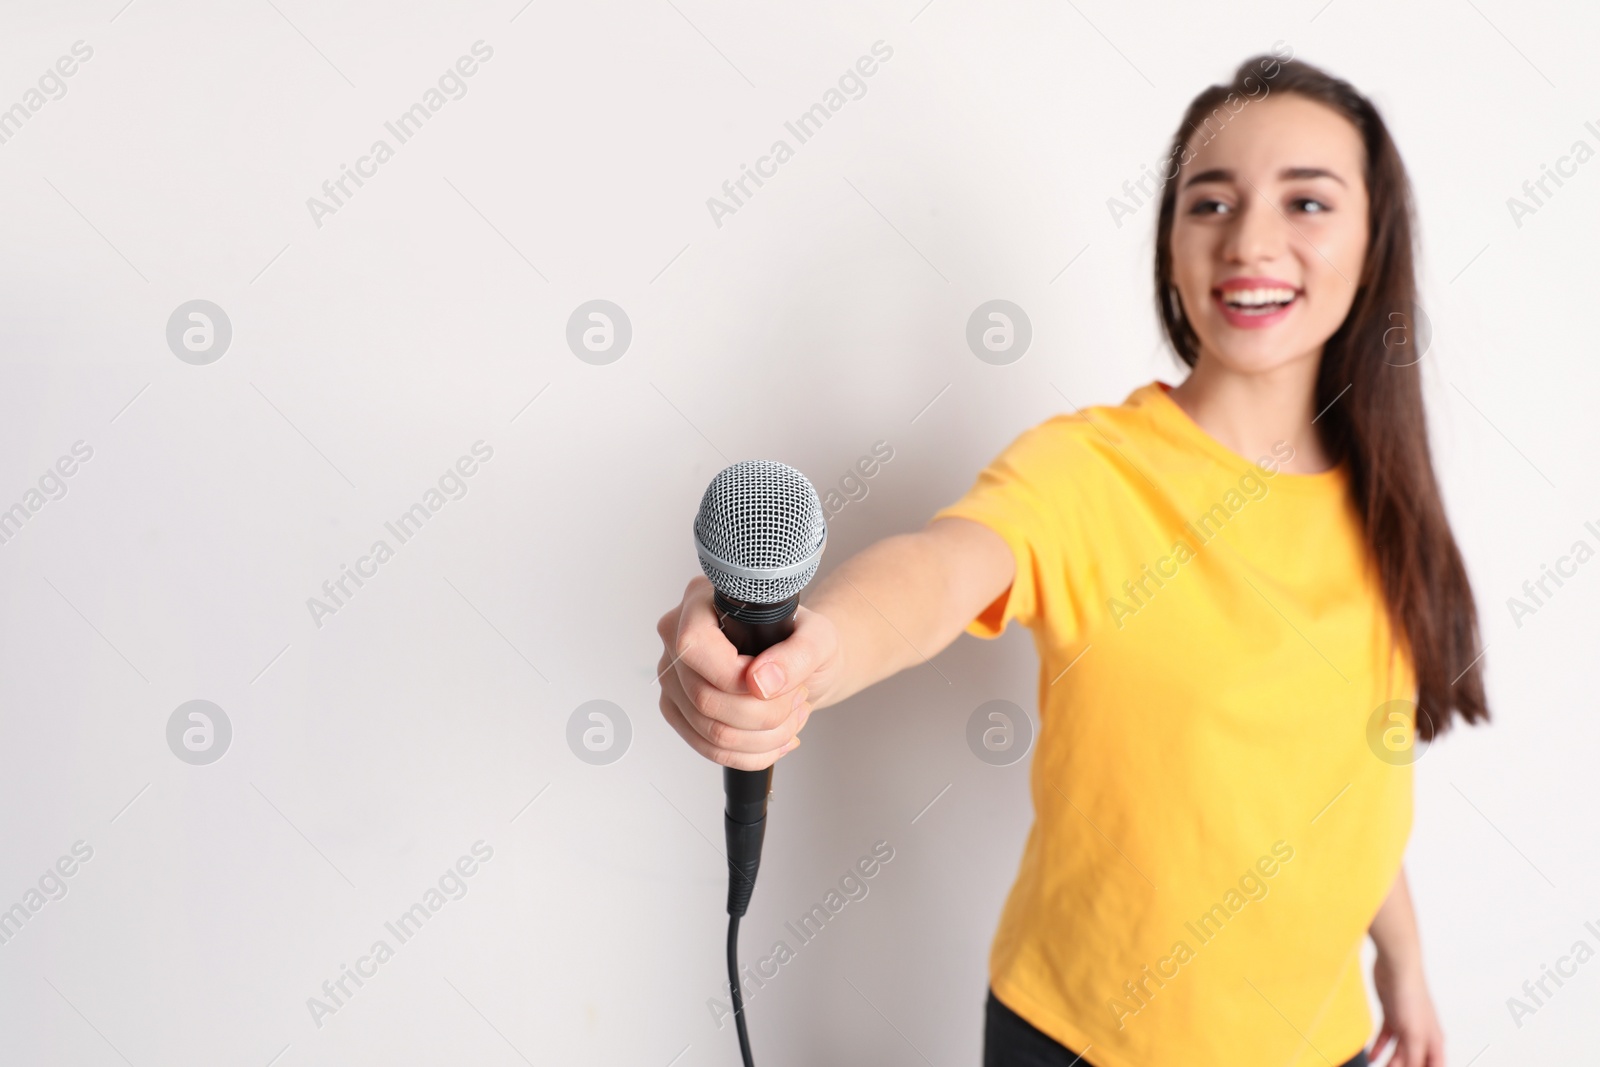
[1249, 413]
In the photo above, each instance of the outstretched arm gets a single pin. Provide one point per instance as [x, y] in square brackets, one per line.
[904, 599]
[886, 608]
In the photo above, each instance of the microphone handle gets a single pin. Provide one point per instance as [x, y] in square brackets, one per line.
[752, 629]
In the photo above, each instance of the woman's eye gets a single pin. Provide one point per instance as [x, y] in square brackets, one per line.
[1308, 205]
[1208, 207]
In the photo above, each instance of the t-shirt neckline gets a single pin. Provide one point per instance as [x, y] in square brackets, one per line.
[1179, 419]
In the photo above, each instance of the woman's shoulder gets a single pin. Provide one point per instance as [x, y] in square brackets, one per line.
[1081, 440]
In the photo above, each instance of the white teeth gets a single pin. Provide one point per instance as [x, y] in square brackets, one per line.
[1257, 297]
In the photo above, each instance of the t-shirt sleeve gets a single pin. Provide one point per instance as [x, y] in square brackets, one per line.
[1018, 497]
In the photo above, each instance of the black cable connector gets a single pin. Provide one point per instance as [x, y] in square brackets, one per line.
[744, 860]
[744, 852]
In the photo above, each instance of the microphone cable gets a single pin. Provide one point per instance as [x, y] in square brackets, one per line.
[733, 983]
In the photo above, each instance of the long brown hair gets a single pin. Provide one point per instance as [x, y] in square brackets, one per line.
[1369, 388]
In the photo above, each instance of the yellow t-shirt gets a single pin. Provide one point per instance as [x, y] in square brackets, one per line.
[1215, 827]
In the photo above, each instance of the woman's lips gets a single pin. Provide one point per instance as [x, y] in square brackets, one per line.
[1253, 318]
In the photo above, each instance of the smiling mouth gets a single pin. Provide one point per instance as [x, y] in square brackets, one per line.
[1253, 302]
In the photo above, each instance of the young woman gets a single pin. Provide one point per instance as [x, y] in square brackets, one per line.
[1234, 654]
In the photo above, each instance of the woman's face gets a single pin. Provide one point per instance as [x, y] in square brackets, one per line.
[1270, 232]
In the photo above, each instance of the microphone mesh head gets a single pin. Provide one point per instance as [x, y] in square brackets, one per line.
[760, 531]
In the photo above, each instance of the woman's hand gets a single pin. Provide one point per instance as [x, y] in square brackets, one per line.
[1409, 1020]
[741, 711]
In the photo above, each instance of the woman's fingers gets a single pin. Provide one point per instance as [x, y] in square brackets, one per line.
[743, 761]
[734, 710]
[711, 671]
[1381, 1043]
[739, 724]
[699, 643]
[706, 697]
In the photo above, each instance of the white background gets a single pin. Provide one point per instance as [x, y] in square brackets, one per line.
[372, 351]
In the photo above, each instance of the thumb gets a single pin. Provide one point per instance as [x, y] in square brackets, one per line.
[786, 664]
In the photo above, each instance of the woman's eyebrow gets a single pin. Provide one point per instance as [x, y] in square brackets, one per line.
[1222, 174]
[1294, 173]
[1215, 174]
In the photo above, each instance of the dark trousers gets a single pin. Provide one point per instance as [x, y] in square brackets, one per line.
[1009, 1040]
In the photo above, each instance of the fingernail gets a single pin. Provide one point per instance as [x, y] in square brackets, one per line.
[769, 678]
[799, 697]
[790, 747]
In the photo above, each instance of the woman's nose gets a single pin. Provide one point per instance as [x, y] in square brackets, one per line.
[1259, 231]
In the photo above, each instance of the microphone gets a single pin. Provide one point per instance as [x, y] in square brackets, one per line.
[759, 535]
